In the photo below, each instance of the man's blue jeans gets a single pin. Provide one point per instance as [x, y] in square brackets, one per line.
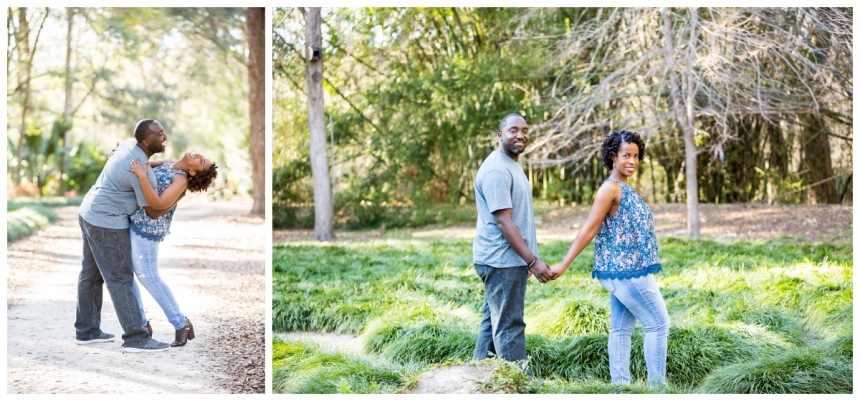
[144, 261]
[631, 300]
[502, 331]
[106, 261]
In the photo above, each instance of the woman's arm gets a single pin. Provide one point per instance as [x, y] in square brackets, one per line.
[168, 198]
[608, 194]
[156, 163]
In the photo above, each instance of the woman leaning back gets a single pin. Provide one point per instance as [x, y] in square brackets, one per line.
[625, 255]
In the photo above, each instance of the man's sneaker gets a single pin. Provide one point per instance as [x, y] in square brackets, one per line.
[149, 345]
[101, 338]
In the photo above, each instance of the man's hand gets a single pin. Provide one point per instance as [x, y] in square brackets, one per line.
[541, 271]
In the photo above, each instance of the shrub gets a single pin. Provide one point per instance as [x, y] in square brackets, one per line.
[27, 220]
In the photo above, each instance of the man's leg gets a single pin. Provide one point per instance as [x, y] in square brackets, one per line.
[484, 345]
[89, 309]
[111, 251]
[505, 292]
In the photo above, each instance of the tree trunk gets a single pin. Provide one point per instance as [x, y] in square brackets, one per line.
[24, 85]
[817, 164]
[682, 115]
[323, 208]
[256, 22]
[67, 109]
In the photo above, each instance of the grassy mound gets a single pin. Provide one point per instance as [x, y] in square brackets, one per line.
[302, 368]
[797, 371]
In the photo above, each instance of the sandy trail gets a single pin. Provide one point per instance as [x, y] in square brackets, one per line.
[213, 261]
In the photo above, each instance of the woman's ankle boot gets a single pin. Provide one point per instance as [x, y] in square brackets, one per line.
[184, 334]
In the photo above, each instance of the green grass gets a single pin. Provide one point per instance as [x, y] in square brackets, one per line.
[49, 201]
[744, 314]
[306, 369]
[797, 371]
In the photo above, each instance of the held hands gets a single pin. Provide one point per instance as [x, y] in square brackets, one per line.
[556, 270]
[545, 273]
[137, 168]
[541, 271]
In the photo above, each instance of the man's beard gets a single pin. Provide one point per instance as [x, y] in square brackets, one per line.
[157, 148]
[512, 149]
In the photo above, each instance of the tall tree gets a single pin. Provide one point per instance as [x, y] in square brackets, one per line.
[323, 205]
[25, 59]
[698, 78]
[256, 22]
[67, 106]
[682, 106]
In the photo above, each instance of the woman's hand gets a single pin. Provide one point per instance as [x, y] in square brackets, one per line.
[138, 169]
[557, 270]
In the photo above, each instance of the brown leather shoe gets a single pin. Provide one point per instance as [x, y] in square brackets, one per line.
[184, 334]
[148, 328]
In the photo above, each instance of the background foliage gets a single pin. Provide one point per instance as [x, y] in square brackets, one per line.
[414, 96]
[182, 66]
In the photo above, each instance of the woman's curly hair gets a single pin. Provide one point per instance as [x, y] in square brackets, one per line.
[612, 142]
[201, 180]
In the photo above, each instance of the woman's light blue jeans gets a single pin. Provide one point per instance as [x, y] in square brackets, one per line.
[631, 300]
[144, 262]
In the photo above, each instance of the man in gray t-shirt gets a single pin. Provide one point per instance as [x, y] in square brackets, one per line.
[103, 217]
[505, 247]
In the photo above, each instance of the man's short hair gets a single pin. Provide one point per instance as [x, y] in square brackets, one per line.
[505, 119]
[142, 130]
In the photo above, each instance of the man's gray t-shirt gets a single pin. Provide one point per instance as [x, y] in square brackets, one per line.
[501, 184]
[117, 192]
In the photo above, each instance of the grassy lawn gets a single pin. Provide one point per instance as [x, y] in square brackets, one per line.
[747, 317]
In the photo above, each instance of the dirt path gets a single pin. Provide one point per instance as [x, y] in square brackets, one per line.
[213, 261]
[814, 223]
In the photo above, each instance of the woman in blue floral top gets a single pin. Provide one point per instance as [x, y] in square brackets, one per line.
[625, 255]
[192, 172]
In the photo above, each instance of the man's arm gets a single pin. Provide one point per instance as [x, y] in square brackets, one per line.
[509, 230]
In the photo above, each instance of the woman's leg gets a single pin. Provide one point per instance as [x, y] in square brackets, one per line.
[642, 298]
[136, 291]
[144, 261]
[621, 324]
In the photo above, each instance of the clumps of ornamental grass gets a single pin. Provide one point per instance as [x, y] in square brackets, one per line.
[570, 318]
[304, 368]
[27, 220]
[796, 371]
[692, 355]
[733, 306]
[339, 288]
[327, 307]
[695, 352]
[842, 345]
[590, 386]
[580, 357]
[435, 340]
[777, 322]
